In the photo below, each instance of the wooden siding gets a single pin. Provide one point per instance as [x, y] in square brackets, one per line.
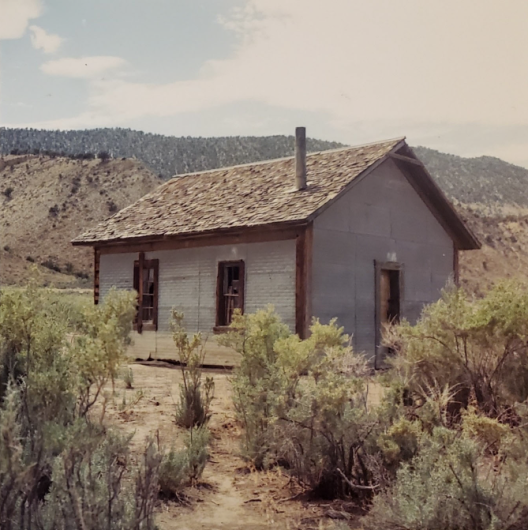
[382, 218]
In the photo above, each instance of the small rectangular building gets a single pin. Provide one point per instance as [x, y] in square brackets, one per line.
[362, 234]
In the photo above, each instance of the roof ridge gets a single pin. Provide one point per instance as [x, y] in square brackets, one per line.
[271, 160]
[262, 197]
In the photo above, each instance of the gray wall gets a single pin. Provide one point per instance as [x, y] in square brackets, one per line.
[380, 218]
[187, 280]
[116, 270]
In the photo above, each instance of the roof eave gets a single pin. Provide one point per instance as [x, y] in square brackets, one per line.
[420, 178]
[356, 180]
[296, 223]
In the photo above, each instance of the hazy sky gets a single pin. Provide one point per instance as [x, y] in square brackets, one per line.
[448, 74]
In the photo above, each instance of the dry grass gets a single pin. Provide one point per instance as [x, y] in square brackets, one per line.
[230, 495]
[52, 201]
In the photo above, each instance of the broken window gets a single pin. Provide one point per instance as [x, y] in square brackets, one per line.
[146, 285]
[389, 290]
[229, 291]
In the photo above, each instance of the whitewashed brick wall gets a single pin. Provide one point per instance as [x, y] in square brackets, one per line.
[187, 280]
[116, 270]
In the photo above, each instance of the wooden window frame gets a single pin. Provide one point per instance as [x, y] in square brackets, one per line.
[140, 265]
[220, 326]
[380, 266]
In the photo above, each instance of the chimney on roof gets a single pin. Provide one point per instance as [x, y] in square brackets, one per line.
[300, 158]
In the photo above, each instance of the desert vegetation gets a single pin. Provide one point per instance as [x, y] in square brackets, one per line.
[445, 447]
[167, 155]
[61, 464]
[438, 440]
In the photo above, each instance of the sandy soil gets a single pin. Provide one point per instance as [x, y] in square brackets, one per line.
[231, 495]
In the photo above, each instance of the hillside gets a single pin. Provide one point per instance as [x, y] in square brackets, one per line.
[490, 184]
[46, 202]
[165, 155]
[504, 252]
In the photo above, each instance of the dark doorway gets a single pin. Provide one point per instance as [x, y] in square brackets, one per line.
[389, 297]
[389, 291]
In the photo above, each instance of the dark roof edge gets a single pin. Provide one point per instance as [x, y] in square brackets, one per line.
[433, 196]
[424, 184]
[234, 230]
[358, 179]
[282, 158]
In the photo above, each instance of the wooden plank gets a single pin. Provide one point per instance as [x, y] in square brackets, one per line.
[308, 259]
[242, 286]
[97, 268]
[303, 281]
[407, 159]
[155, 266]
[456, 266]
[141, 263]
[300, 315]
[221, 237]
[219, 282]
[210, 241]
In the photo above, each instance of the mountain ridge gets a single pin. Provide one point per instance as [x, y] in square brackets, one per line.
[46, 200]
[166, 155]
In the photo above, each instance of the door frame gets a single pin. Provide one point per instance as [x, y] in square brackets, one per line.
[379, 266]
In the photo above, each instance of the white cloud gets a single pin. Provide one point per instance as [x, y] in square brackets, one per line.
[83, 67]
[379, 66]
[442, 61]
[15, 16]
[41, 40]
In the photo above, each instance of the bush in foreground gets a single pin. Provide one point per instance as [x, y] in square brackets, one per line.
[478, 348]
[60, 468]
[193, 409]
[303, 404]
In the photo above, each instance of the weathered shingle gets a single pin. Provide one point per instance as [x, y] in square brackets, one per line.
[240, 196]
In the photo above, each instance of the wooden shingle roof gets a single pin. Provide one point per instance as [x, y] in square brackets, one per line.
[239, 196]
[253, 195]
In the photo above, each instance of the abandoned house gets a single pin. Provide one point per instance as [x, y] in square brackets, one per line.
[362, 234]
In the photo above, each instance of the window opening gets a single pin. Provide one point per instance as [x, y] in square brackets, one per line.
[147, 307]
[230, 291]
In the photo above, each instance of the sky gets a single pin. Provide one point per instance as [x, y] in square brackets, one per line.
[447, 74]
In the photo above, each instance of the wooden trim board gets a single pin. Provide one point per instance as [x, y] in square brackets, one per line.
[97, 269]
[209, 240]
[303, 281]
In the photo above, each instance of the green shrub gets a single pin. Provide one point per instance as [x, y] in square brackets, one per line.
[128, 378]
[173, 473]
[180, 468]
[196, 448]
[452, 484]
[303, 404]
[258, 382]
[478, 348]
[59, 467]
[195, 401]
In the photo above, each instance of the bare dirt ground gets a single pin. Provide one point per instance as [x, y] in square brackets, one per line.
[230, 495]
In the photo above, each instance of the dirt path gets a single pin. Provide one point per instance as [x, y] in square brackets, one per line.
[230, 495]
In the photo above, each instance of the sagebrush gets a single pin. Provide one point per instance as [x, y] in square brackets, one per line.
[60, 468]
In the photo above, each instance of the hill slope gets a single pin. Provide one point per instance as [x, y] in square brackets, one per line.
[490, 184]
[165, 155]
[46, 202]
